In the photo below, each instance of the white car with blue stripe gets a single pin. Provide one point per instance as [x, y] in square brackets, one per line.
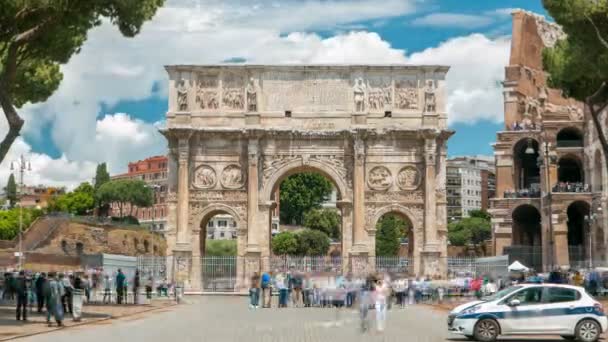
[531, 309]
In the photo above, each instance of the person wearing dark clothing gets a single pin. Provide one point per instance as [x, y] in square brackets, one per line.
[136, 287]
[21, 291]
[120, 286]
[66, 299]
[39, 285]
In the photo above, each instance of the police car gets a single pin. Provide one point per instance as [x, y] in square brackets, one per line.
[531, 309]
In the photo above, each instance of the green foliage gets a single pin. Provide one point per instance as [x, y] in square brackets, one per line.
[79, 202]
[9, 221]
[480, 214]
[11, 190]
[123, 191]
[285, 243]
[325, 220]
[37, 36]
[389, 231]
[578, 64]
[300, 193]
[101, 175]
[312, 242]
[469, 230]
[220, 248]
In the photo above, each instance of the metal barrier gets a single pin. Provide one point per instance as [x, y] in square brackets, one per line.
[219, 273]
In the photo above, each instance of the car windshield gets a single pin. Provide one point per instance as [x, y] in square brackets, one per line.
[500, 294]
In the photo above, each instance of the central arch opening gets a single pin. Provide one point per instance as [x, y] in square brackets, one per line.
[306, 222]
[526, 236]
[218, 250]
[394, 244]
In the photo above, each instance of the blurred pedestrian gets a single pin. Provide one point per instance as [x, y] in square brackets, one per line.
[266, 285]
[66, 299]
[254, 291]
[21, 290]
[381, 295]
[136, 287]
[120, 286]
[39, 286]
[107, 289]
[53, 292]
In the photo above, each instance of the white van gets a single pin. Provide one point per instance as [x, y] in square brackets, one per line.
[531, 309]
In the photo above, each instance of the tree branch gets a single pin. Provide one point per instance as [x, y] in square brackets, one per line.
[32, 33]
[15, 122]
[597, 32]
[596, 121]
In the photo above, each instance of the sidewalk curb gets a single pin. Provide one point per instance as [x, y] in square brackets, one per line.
[108, 318]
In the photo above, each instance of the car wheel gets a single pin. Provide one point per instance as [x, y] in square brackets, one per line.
[569, 338]
[486, 330]
[587, 331]
[470, 337]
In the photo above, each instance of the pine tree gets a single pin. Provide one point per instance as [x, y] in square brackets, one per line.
[101, 177]
[11, 190]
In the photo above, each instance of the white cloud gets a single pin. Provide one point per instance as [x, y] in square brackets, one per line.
[474, 80]
[442, 20]
[111, 68]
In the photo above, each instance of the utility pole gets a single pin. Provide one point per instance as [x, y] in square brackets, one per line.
[23, 166]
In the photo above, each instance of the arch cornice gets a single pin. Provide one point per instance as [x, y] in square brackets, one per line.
[303, 164]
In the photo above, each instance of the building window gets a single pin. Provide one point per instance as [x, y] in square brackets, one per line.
[210, 224]
[222, 223]
[222, 234]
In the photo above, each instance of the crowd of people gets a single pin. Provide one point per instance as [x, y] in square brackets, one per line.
[571, 187]
[58, 294]
[375, 291]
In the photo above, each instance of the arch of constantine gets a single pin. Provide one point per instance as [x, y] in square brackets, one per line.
[378, 133]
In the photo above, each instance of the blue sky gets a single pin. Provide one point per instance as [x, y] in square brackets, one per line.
[113, 96]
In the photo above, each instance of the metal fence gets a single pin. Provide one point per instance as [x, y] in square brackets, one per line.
[308, 264]
[219, 273]
[395, 266]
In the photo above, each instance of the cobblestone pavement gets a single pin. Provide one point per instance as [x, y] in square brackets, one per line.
[228, 319]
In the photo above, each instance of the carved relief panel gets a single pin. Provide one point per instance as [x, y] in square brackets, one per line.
[379, 178]
[406, 94]
[394, 177]
[380, 94]
[207, 92]
[409, 178]
[233, 93]
[233, 177]
[204, 177]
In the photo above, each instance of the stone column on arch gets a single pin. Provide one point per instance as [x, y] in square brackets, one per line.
[253, 243]
[359, 245]
[346, 210]
[183, 184]
[431, 252]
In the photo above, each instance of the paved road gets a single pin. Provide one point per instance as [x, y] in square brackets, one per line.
[220, 319]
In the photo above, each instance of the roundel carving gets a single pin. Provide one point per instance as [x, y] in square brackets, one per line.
[408, 178]
[232, 177]
[204, 177]
[379, 178]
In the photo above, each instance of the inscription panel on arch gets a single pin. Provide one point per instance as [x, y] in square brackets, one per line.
[306, 91]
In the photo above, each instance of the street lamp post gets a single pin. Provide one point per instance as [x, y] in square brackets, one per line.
[590, 220]
[23, 166]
